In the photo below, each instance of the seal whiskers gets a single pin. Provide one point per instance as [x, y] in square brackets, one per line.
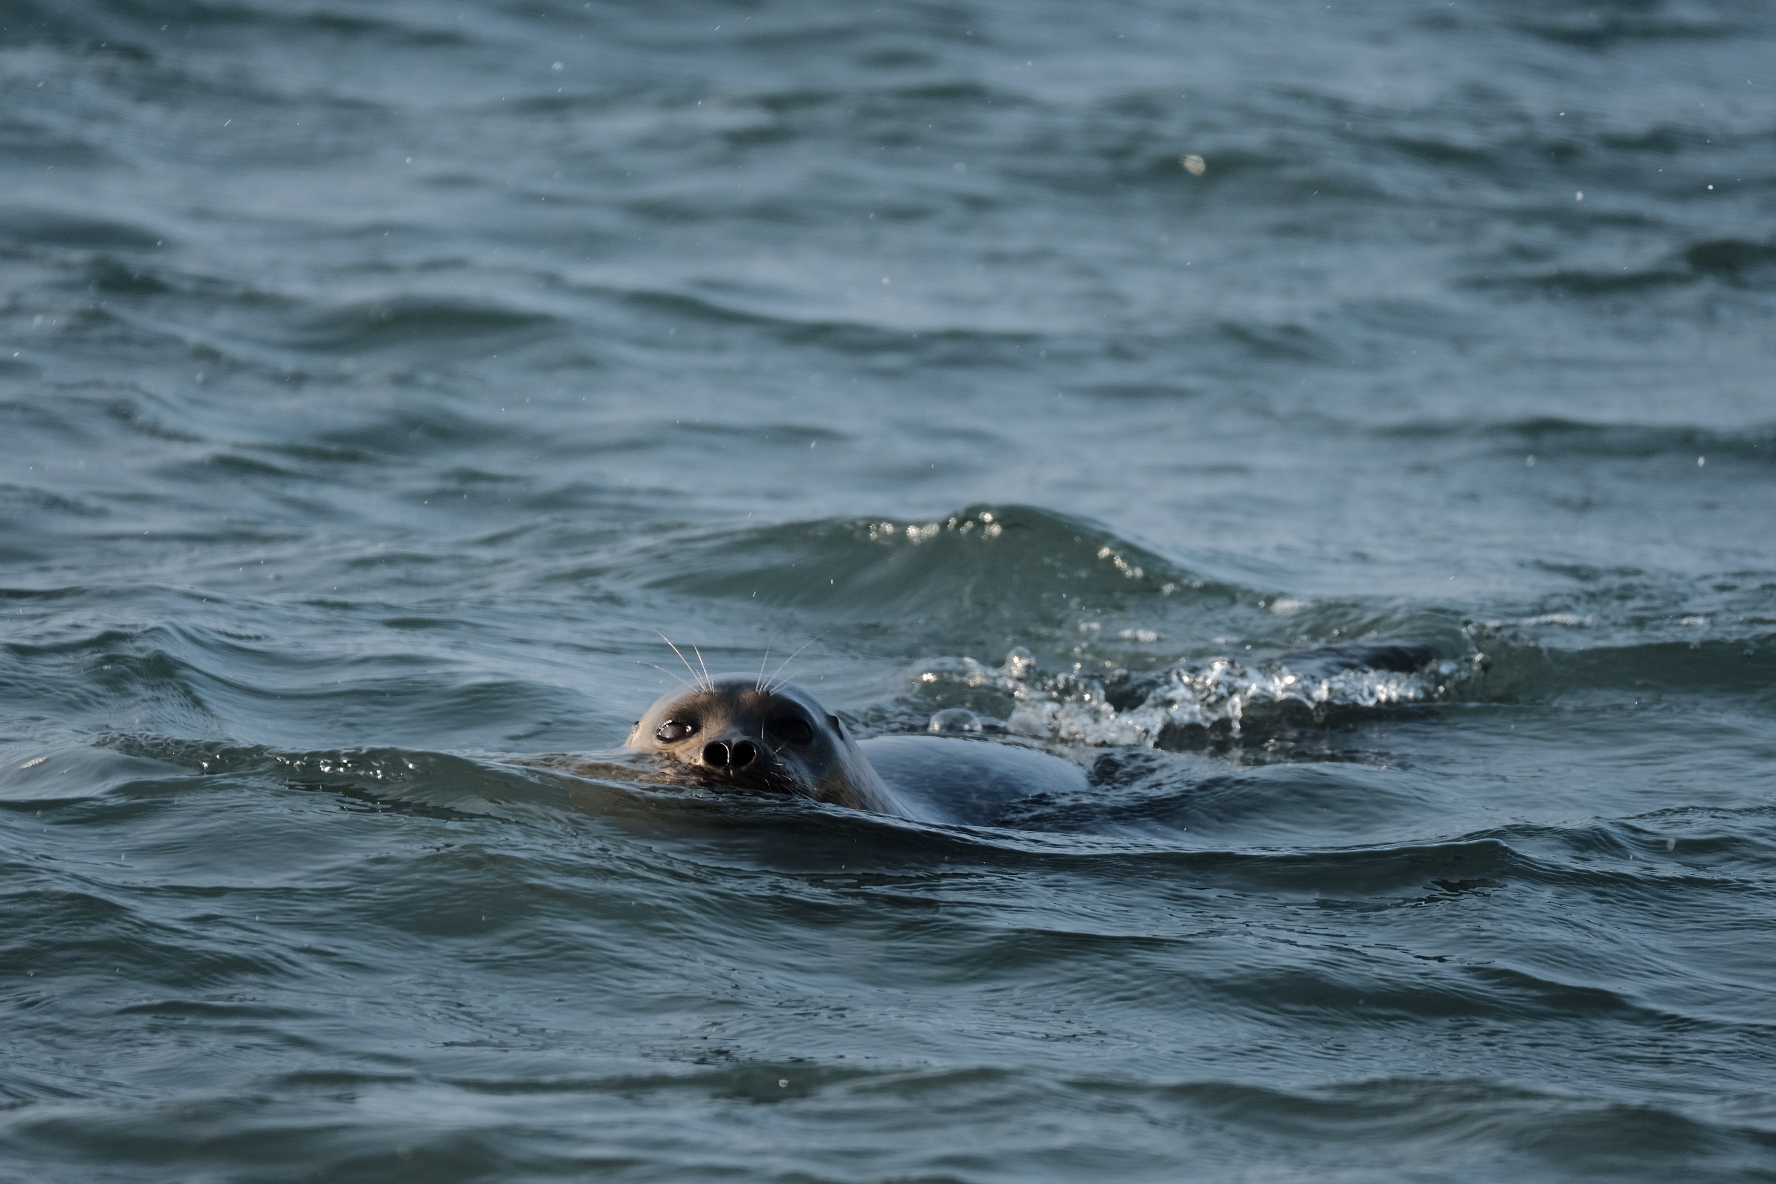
[777, 681]
[704, 680]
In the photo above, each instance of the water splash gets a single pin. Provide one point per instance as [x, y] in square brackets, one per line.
[1136, 710]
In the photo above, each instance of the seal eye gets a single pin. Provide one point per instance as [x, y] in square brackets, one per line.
[792, 729]
[674, 730]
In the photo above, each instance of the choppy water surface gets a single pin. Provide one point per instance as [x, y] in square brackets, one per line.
[378, 379]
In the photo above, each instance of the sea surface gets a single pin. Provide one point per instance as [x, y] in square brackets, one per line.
[382, 383]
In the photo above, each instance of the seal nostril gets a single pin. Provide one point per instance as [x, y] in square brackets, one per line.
[717, 755]
[742, 753]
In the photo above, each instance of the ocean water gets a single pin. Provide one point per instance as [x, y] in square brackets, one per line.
[379, 382]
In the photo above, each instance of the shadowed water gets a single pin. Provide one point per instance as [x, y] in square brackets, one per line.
[379, 382]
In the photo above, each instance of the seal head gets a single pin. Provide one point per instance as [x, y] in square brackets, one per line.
[732, 731]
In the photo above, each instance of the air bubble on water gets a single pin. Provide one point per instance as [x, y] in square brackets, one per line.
[918, 534]
[961, 719]
[954, 719]
[1019, 662]
[1132, 571]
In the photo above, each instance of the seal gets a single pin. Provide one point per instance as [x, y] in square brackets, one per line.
[743, 732]
[734, 731]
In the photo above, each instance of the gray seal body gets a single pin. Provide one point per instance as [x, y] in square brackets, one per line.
[732, 731]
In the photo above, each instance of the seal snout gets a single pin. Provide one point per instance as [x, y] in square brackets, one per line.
[732, 756]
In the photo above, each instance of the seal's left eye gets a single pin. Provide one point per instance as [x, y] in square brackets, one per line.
[674, 730]
[792, 728]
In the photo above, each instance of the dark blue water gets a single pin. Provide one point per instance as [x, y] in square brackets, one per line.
[379, 379]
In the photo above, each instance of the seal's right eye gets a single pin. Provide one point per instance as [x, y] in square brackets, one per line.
[674, 730]
[793, 728]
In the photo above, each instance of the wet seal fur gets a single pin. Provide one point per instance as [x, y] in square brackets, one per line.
[734, 731]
